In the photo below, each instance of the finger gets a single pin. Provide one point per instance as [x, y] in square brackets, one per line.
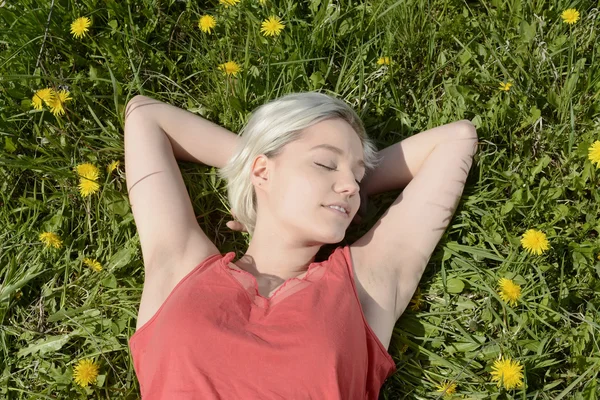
[240, 227]
[234, 225]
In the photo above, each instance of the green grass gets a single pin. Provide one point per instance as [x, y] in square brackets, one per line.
[450, 56]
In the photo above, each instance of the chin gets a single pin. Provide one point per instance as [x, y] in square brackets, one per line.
[320, 232]
[332, 237]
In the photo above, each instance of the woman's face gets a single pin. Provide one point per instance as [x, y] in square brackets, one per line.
[297, 186]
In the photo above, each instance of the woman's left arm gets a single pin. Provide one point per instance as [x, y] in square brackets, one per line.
[401, 161]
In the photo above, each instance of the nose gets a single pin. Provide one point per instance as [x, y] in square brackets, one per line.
[348, 184]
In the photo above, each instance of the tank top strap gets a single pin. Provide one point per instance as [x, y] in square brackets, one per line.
[228, 257]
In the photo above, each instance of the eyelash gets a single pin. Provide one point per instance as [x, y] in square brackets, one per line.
[333, 169]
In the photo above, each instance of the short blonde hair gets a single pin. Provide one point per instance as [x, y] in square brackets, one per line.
[272, 126]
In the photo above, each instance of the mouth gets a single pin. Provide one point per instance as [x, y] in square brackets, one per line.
[338, 212]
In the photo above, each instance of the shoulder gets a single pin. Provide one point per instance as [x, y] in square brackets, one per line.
[162, 279]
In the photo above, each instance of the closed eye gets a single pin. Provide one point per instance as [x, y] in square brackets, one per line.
[333, 169]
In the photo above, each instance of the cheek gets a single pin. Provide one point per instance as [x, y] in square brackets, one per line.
[298, 195]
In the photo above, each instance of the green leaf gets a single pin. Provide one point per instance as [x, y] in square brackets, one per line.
[465, 304]
[463, 347]
[236, 104]
[590, 392]
[46, 345]
[506, 207]
[6, 291]
[121, 258]
[93, 73]
[100, 380]
[117, 203]
[317, 80]
[9, 146]
[542, 163]
[455, 285]
[62, 313]
[475, 251]
[536, 113]
[553, 98]
[464, 56]
[58, 376]
[527, 31]
[110, 281]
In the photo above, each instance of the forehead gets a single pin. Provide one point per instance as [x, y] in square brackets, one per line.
[335, 132]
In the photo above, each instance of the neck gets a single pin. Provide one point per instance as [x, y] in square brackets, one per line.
[272, 253]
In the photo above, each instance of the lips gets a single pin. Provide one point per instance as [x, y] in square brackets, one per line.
[338, 212]
[344, 206]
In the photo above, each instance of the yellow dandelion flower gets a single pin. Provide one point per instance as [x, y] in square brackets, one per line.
[509, 291]
[508, 373]
[89, 174]
[85, 372]
[206, 23]
[43, 96]
[594, 153]
[417, 300]
[112, 166]
[447, 387]
[230, 68]
[79, 27]
[88, 170]
[50, 239]
[88, 187]
[228, 3]
[93, 264]
[272, 26]
[505, 86]
[56, 106]
[570, 16]
[262, 2]
[534, 241]
[384, 60]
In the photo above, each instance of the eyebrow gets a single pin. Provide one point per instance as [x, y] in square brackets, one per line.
[337, 150]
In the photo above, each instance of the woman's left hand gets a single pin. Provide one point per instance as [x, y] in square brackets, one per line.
[236, 225]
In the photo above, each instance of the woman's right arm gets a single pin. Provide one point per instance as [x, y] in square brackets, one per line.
[192, 137]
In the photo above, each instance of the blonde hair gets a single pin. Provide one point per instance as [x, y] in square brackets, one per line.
[272, 126]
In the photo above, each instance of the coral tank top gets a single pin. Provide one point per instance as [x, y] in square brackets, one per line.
[216, 337]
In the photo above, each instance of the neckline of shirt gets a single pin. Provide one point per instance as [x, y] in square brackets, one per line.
[259, 299]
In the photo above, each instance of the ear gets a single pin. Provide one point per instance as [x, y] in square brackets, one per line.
[260, 172]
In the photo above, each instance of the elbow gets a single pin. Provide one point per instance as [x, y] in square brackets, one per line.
[130, 105]
[135, 103]
[469, 132]
[468, 129]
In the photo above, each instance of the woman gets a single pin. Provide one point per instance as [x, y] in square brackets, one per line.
[276, 323]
